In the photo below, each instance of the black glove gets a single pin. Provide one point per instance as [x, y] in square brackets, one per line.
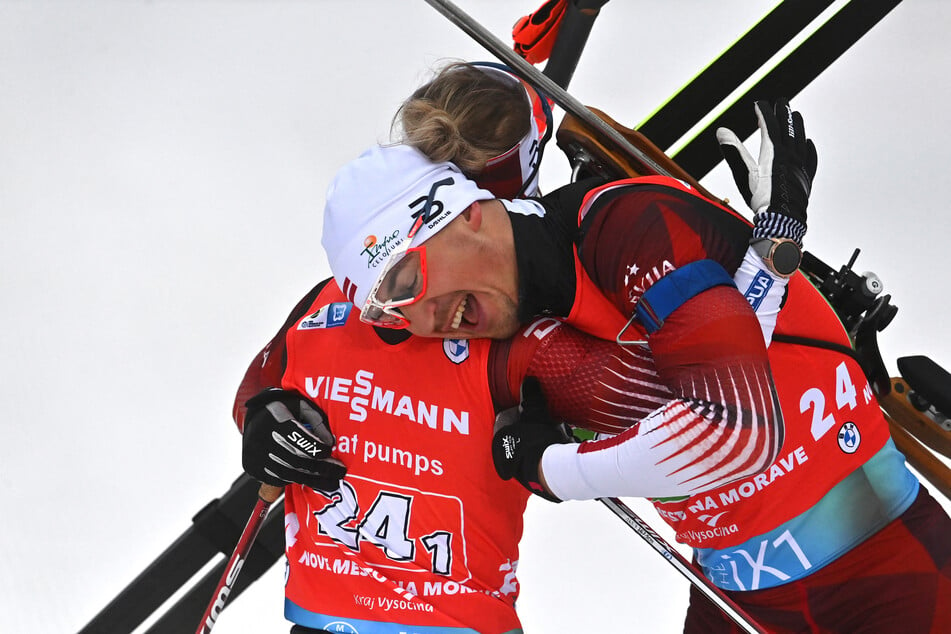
[518, 445]
[777, 187]
[287, 440]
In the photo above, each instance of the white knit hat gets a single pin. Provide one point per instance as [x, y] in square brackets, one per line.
[374, 201]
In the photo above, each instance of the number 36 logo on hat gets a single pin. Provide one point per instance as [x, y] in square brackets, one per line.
[432, 208]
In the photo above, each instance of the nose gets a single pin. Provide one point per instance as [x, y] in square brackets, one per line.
[421, 317]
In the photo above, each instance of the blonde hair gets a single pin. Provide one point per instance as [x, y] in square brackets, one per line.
[465, 115]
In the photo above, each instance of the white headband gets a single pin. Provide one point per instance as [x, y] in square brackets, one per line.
[372, 203]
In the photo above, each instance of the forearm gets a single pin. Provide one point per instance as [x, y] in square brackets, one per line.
[722, 424]
[763, 290]
[722, 421]
[680, 449]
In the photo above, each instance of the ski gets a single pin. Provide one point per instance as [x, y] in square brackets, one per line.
[215, 530]
[705, 91]
[186, 613]
[833, 38]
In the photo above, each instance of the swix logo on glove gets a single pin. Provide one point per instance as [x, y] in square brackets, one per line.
[508, 445]
[313, 448]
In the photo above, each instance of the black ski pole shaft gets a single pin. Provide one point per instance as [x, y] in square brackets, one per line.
[684, 567]
[572, 37]
[531, 74]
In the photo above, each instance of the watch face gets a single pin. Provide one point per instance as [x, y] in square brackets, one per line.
[786, 257]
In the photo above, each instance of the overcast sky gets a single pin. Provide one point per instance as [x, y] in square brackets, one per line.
[162, 173]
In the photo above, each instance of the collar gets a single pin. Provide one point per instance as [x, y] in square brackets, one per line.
[544, 251]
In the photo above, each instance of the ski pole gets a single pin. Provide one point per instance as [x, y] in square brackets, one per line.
[684, 567]
[572, 36]
[267, 494]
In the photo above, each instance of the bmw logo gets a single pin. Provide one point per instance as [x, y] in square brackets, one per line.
[457, 350]
[849, 438]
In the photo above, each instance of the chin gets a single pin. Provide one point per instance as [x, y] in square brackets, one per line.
[503, 329]
[506, 323]
[506, 331]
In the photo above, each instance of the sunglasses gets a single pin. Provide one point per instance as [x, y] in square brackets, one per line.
[401, 283]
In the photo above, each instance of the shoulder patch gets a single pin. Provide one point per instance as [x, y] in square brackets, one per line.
[329, 316]
[457, 350]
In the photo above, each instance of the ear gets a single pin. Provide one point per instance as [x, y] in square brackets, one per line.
[472, 216]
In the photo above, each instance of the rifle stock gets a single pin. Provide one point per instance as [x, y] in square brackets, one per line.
[574, 136]
[919, 456]
[916, 434]
[913, 421]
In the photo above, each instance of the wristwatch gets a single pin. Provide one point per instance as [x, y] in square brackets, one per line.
[780, 255]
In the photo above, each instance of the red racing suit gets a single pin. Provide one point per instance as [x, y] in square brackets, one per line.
[653, 249]
[422, 535]
[838, 478]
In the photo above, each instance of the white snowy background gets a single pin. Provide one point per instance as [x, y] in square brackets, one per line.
[162, 171]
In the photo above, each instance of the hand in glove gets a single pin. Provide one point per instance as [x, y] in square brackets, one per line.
[777, 186]
[518, 445]
[287, 440]
[534, 35]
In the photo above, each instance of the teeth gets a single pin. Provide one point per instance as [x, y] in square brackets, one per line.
[457, 319]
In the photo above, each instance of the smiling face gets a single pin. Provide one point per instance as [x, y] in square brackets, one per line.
[472, 279]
